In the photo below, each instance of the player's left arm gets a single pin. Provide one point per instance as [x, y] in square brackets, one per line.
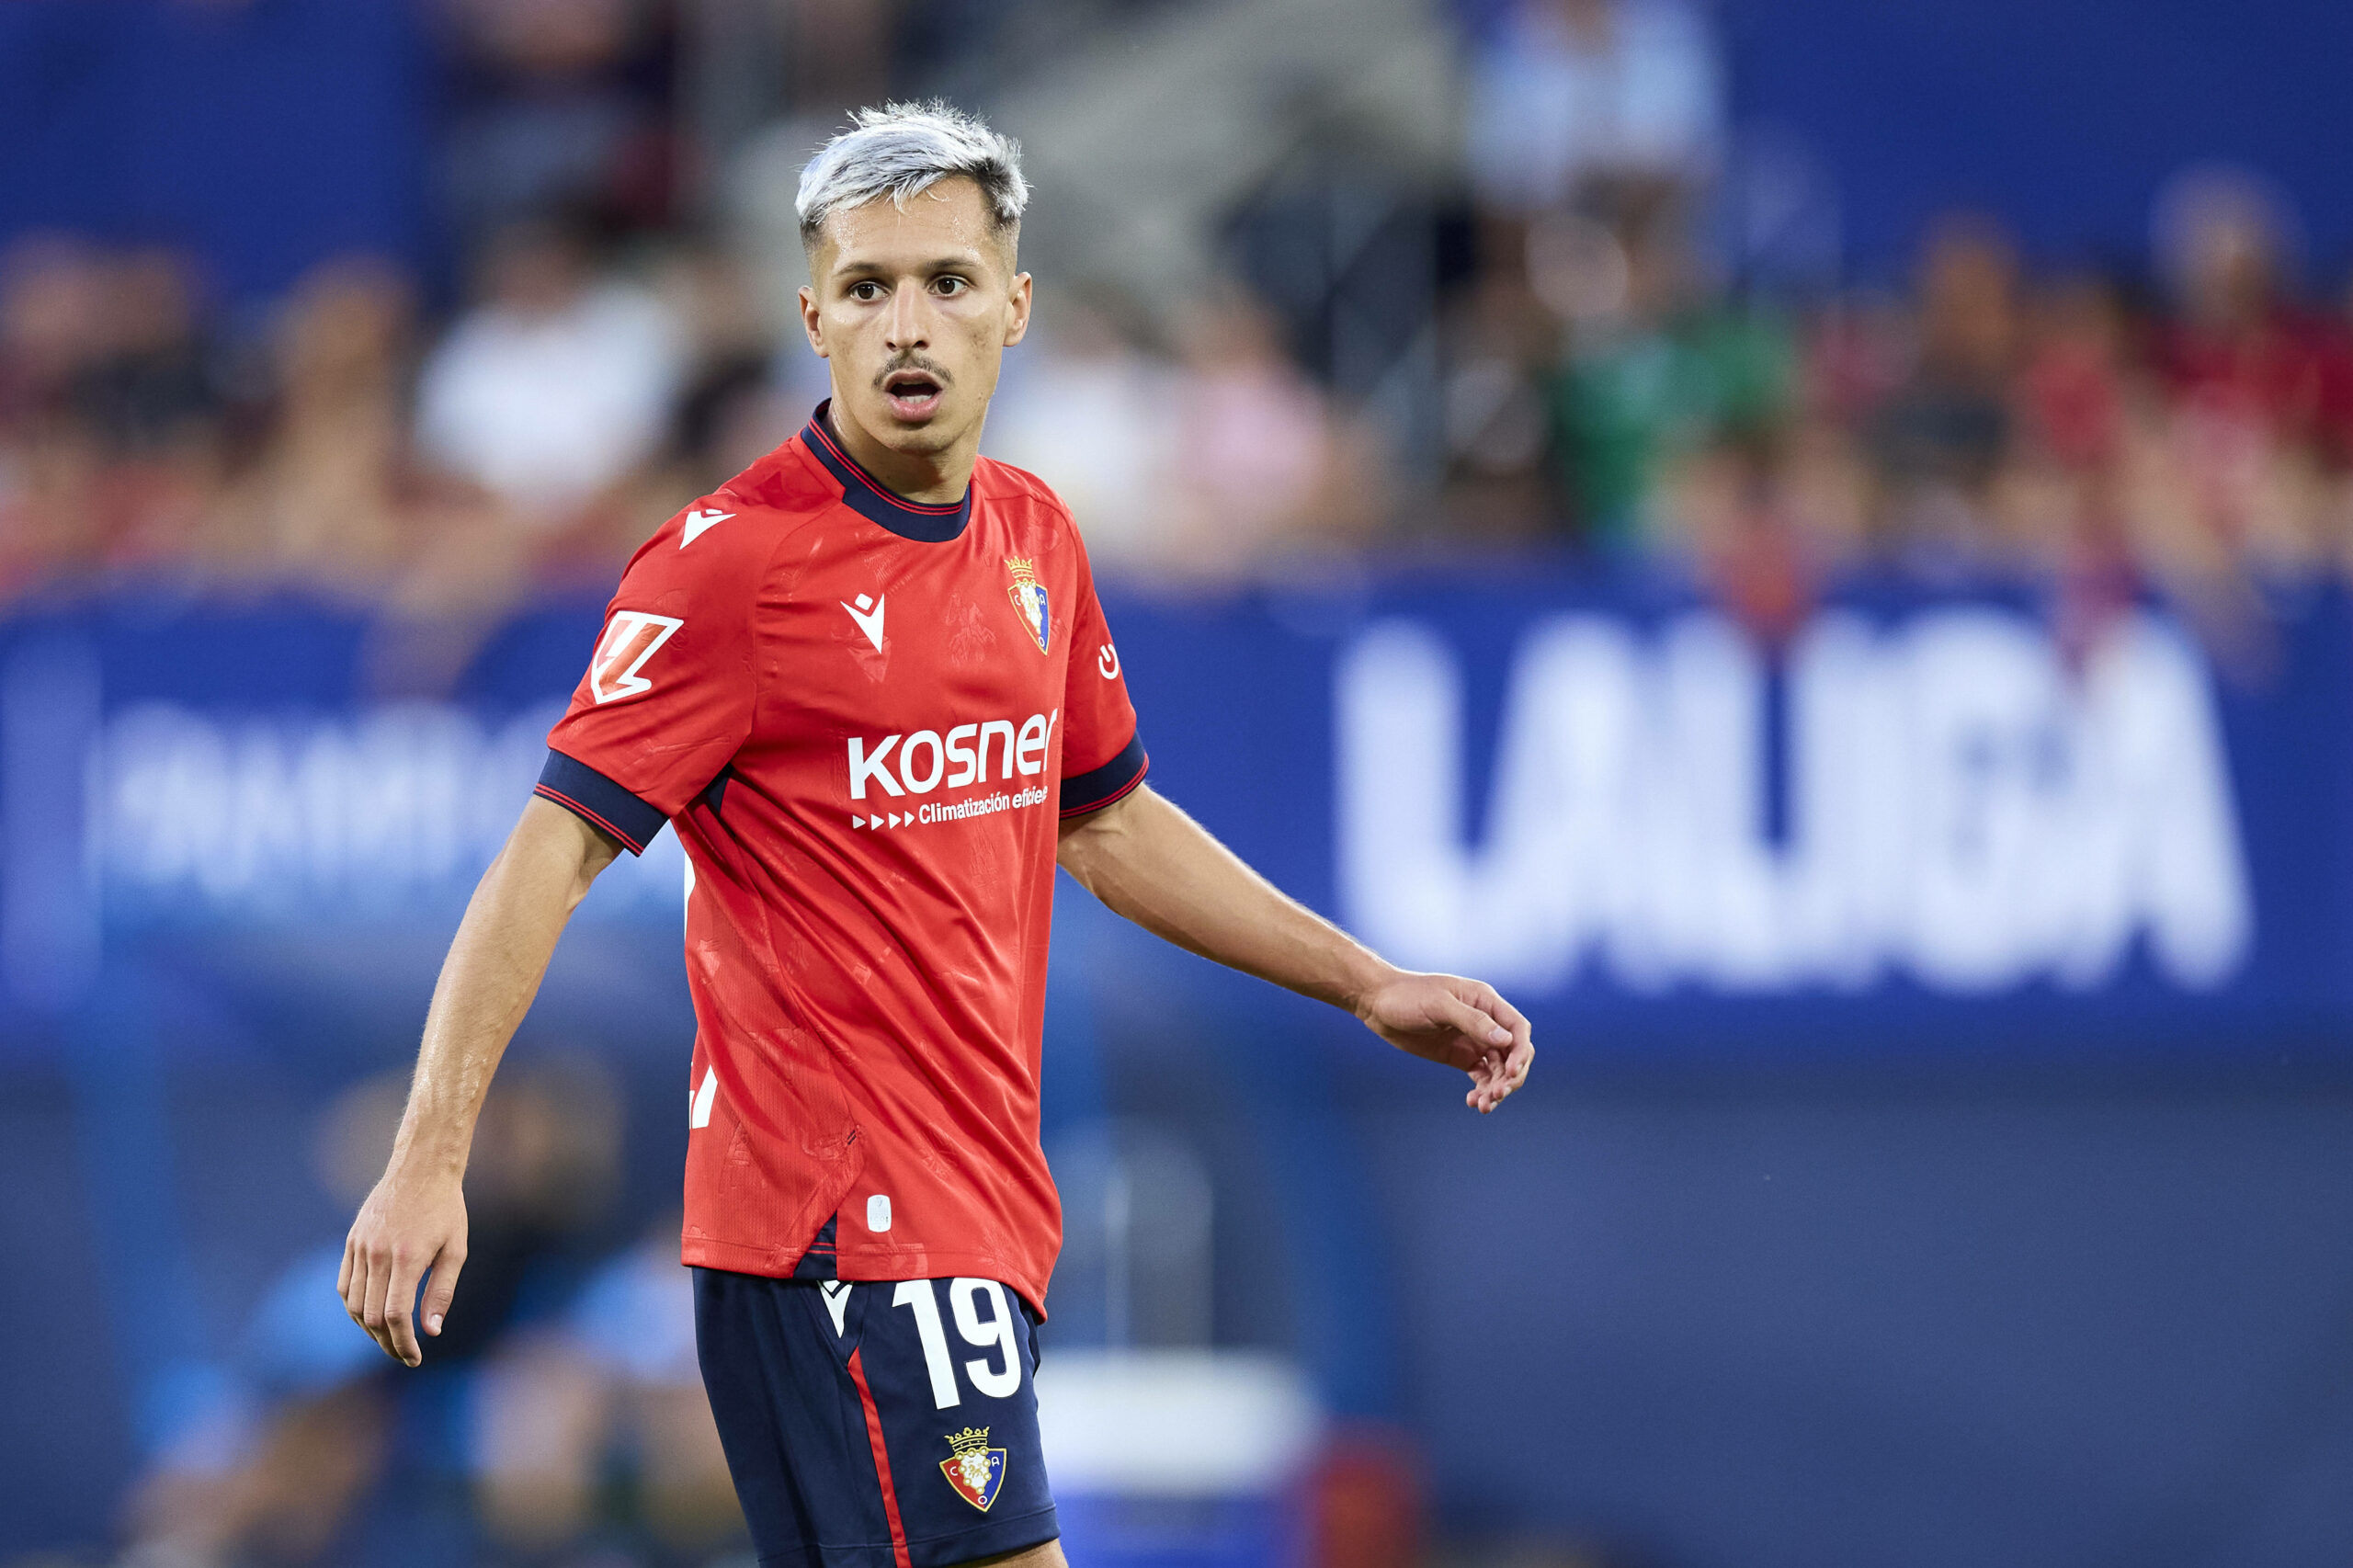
[1149, 862]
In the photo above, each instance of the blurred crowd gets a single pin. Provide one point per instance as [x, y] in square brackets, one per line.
[2180, 422]
[1609, 376]
[2192, 437]
[559, 1419]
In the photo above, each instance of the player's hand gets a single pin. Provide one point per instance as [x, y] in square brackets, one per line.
[1461, 1023]
[412, 1225]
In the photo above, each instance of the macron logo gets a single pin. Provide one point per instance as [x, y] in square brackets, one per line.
[869, 619]
[698, 524]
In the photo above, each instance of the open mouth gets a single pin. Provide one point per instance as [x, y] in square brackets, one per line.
[914, 394]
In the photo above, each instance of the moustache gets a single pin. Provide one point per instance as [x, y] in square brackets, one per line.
[913, 362]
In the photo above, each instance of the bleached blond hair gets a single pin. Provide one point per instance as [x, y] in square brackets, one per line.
[901, 150]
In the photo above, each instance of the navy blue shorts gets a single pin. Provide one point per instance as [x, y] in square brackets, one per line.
[890, 1424]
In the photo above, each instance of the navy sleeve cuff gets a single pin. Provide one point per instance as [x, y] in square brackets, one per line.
[586, 793]
[1097, 787]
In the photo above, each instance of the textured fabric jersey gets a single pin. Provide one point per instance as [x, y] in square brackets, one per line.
[864, 717]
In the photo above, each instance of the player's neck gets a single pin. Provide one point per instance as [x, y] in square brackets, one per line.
[940, 479]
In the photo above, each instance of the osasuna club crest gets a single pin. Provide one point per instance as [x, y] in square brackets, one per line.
[974, 1469]
[1029, 599]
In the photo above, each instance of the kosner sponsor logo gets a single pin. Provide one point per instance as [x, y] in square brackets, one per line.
[957, 759]
[1960, 807]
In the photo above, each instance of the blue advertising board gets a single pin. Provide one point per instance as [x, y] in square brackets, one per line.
[1925, 829]
[1925, 822]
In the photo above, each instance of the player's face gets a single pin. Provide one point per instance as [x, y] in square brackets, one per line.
[916, 308]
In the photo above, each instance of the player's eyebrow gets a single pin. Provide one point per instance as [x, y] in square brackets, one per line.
[962, 262]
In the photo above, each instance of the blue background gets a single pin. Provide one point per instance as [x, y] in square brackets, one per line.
[1886, 1277]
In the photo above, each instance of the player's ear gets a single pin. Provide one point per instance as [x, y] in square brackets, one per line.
[811, 321]
[1016, 321]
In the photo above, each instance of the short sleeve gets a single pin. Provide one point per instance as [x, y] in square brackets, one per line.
[1103, 756]
[668, 698]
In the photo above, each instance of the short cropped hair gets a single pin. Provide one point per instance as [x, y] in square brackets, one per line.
[901, 150]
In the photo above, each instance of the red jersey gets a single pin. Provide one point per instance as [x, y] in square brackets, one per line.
[865, 718]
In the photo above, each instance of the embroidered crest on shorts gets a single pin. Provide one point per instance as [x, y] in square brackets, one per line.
[974, 1469]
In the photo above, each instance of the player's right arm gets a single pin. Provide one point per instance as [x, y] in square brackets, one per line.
[413, 1223]
[665, 701]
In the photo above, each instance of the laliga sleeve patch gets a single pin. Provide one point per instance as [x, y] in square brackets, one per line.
[633, 637]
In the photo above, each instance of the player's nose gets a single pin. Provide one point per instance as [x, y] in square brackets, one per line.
[905, 328]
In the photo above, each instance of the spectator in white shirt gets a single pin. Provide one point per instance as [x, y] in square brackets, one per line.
[1574, 90]
[1088, 412]
[556, 386]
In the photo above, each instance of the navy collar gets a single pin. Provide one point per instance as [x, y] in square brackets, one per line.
[864, 494]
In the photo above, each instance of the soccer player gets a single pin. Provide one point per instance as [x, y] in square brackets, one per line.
[869, 683]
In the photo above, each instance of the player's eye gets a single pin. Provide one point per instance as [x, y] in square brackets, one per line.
[951, 285]
[866, 291]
